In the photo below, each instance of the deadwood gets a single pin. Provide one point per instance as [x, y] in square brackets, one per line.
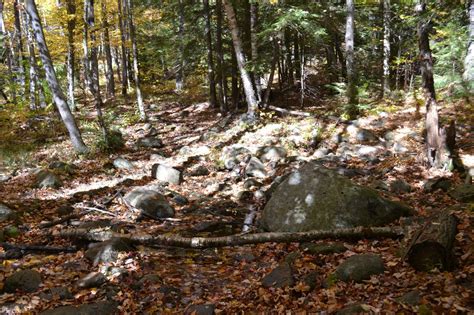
[235, 240]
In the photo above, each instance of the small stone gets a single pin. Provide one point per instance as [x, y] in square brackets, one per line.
[246, 256]
[255, 168]
[108, 251]
[4, 178]
[244, 195]
[200, 309]
[23, 280]
[121, 163]
[252, 182]
[292, 257]
[166, 174]
[92, 280]
[400, 186]
[259, 194]
[463, 193]
[5, 213]
[272, 153]
[199, 171]
[150, 142]
[411, 298]
[281, 276]
[151, 203]
[311, 280]
[47, 179]
[360, 267]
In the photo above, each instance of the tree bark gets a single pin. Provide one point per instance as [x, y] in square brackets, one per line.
[7, 43]
[386, 47]
[136, 74]
[109, 72]
[18, 48]
[254, 48]
[33, 86]
[432, 244]
[124, 73]
[220, 73]
[210, 59]
[252, 104]
[71, 25]
[234, 82]
[58, 95]
[268, 90]
[235, 240]
[469, 60]
[350, 63]
[180, 60]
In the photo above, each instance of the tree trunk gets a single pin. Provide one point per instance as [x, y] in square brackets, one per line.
[180, 57]
[386, 47]
[437, 152]
[71, 25]
[109, 72]
[18, 49]
[235, 240]
[136, 74]
[210, 59]
[234, 82]
[469, 60]
[7, 48]
[220, 75]
[350, 63]
[254, 48]
[241, 62]
[33, 86]
[89, 19]
[272, 73]
[58, 95]
[124, 73]
[432, 244]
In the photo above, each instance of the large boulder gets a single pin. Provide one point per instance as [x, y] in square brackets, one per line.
[360, 267]
[317, 198]
[151, 203]
[23, 280]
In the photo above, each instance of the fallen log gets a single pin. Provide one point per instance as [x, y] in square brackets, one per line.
[19, 250]
[432, 244]
[61, 220]
[235, 240]
[289, 112]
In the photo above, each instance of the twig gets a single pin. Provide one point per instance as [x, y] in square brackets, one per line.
[62, 220]
[90, 209]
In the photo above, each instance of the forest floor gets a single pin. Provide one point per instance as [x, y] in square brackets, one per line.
[169, 279]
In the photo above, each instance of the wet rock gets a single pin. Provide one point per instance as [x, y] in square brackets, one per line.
[5, 213]
[23, 280]
[122, 163]
[360, 267]
[108, 251]
[102, 308]
[92, 280]
[47, 179]
[150, 142]
[317, 198]
[151, 203]
[166, 174]
[200, 309]
[323, 249]
[281, 276]
[400, 186]
[463, 193]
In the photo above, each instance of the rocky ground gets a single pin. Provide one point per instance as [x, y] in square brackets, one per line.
[191, 172]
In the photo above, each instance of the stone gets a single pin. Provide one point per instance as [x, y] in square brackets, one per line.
[437, 183]
[166, 174]
[47, 179]
[108, 251]
[320, 153]
[252, 182]
[122, 163]
[245, 257]
[151, 203]
[317, 198]
[323, 249]
[311, 280]
[255, 168]
[92, 280]
[400, 186]
[360, 267]
[359, 134]
[102, 308]
[195, 151]
[4, 178]
[23, 280]
[61, 166]
[463, 193]
[280, 277]
[150, 142]
[244, 195]
[5, 213]
[64, 210]
[412, 298]
[199, 171]
[62, 293]
[271, 153]
[200, 309]
[233, 155]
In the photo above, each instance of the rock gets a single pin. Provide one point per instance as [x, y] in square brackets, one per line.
[359, 134]
[180, 199]
[281, 276]
[195, 151]
[255, 168]
[62, 293]
[62, 167]
[378, 184]
[92, 280]
[200, 309]
[292, 257]
[252, 182]
[199, 171]
[244, 195]
[463, 193]
[64, 210]
[11, 231]
[121, 163]
[108, 251]
[150, 142]
[354, 309]
[259, 194]
[151, 203]
[102, 308]
[166, 174]
[149, 279]
[47, 179]
[5, 213]
[320, 153]
[4, 178]
[23, 280]
[323, 249]
[437, 183]
[271, 153]
[317, 198]
[311, 280]
[245, 256]
[233, 155]
[152, 132]
[274, 185]
[412, 298]
[400, 186]
[359, 268]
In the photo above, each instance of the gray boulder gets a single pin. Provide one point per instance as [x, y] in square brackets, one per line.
[317, 198]
[151, 203]
[150, 142]
[400, 186]
[280, 277]
[108, 251]
[23, 280]
[272, 153]
[102, 308]
[360, 135]
[255, 168]
[121, 163]
[47, 179]
[5, 213]
[359, 268]
[233, 155]
[166, 174]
